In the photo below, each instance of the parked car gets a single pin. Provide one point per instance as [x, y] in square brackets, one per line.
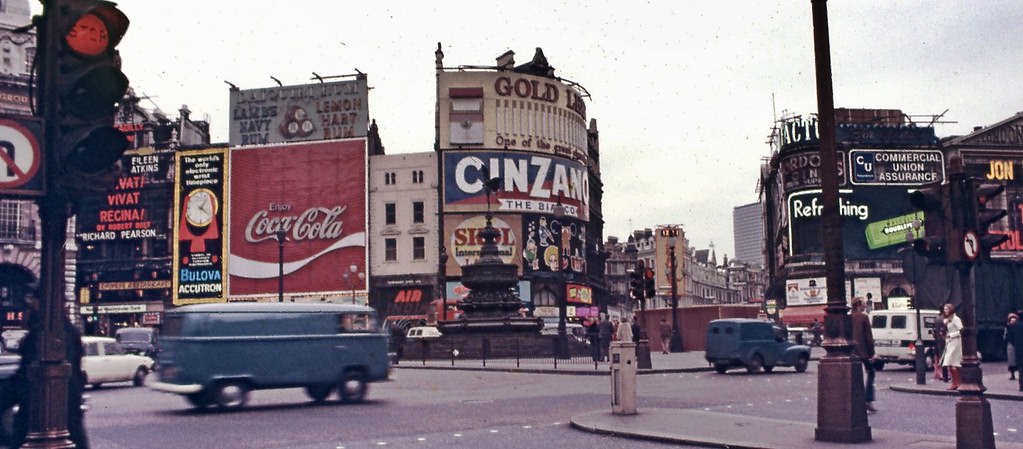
[138, 340]
[423, 332]
[11, 338]
[218, 353]
[753, 344]
[895, 333]
[105, 361]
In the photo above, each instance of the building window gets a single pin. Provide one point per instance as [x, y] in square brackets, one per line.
[10, 219]
[418, 248]
[390, 214]
[418, 212]
[30, 55]
[390, 178]
[417, 177]
[390, 250]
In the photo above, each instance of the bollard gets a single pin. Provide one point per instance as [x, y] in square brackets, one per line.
[623, 378]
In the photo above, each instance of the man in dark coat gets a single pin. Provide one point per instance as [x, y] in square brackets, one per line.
[864, 349]
[606, 331]
[1014, 335]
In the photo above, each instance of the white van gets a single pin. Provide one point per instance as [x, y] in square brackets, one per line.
[895, 335]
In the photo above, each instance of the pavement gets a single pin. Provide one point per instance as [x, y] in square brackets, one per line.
[725, 430]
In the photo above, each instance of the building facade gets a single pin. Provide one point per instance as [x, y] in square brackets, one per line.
[748, 233]
[524, 125]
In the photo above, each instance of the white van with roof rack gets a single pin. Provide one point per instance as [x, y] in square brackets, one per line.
[895, 334]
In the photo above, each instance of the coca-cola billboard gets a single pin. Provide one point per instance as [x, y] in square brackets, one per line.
[316, 194]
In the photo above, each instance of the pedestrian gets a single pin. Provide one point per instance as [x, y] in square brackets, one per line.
[624, 332]
[593, 335]
[606, 330]
[1014, 334]
[1010, 348]
[635, 330]
[953, 356]
[939, 331]
[817, 329]
[864, 349]
[665, 331]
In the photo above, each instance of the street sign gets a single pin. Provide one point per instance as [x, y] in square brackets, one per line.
[21, 157]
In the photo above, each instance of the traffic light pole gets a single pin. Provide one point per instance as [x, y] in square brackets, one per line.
[974, 426]
[49, 371]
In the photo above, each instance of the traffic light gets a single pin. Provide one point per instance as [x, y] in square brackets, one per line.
[932, 200]
[87, 84]
[648, 277]
[636, 285]
[985, 194]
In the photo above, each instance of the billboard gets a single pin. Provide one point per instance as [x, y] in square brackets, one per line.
[136, 208]
[516, 111]
[316, 194]
[553, 244]
[318, 111]
[1000, 168]
[874, 222]
[896, 167]
[199, 233]
[464, 241]
[530, 183]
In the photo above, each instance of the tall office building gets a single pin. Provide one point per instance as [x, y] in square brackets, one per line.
[748, 233]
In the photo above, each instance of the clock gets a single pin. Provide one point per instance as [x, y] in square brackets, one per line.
[200, 207]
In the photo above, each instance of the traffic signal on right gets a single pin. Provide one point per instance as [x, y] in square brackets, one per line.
[88, 83]
[933, 201]
[984, 195]
[648, 283]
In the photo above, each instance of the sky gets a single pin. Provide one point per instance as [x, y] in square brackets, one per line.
[684, 92]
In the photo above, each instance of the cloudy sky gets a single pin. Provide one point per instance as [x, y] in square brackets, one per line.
[684, 92]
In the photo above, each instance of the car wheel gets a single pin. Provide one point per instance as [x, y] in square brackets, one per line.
[318, 393]
[231, 394]
[768, 368]
[802, 363]
[352, 387]
[139, 378]
[755, 364]
[720, 368]
[198, 400]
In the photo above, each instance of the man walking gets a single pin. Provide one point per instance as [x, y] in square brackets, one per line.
[864, 338]
[606, 330]
[665, 331]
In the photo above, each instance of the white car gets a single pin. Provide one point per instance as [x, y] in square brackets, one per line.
[104, 360]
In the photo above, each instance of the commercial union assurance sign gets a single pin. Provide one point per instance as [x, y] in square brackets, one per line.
[896, 167]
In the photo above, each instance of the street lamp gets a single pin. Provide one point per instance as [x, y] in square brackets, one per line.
[352, 278]
[676, 338]
[281, 236]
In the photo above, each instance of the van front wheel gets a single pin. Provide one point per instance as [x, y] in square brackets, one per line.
[232, 394]
[353, 387]
[318, 393]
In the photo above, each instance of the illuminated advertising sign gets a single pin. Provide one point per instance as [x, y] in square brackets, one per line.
[318, 111]
[579, 294]
[199, 240]
[530, 183]
[464, 239]
[874, 221]
[896, 167]
[806, 292]
[136, 208]
[553, 244]
[993, 167]
[316, 194]
[455, 290]
[516, 111]
[802, 170]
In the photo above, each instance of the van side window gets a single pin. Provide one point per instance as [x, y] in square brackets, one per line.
[899, 322]
[356, 322]
[879, 322]
[91, 349]
[929, 321]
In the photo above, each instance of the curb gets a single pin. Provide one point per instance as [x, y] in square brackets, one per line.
[911, 388]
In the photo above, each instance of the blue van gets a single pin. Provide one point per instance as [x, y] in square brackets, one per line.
[218, 353]
[753, 344]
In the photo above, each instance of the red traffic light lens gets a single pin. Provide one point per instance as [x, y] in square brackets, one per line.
[89, 36]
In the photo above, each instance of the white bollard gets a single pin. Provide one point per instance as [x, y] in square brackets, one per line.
[623, 378]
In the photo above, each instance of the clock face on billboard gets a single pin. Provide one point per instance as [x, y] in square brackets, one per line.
[200, 207]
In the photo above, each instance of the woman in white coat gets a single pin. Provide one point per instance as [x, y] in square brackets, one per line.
[953, 356]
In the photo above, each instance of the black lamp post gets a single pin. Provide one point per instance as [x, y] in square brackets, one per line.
[559, 212]
[281, 236]
[352, 278]
[442, 277]
[676, 337]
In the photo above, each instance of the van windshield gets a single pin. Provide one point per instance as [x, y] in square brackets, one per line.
[141, 337]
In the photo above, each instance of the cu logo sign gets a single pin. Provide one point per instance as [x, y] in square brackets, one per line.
[20, 155]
